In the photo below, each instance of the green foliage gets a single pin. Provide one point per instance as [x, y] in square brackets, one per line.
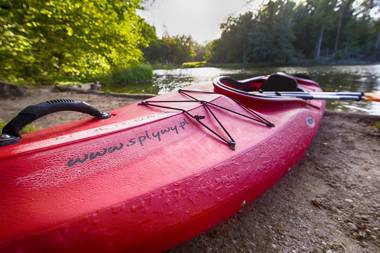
[43, 40]
[267, 36]
[272, 33]
[173, 50]
[283, 32]
[377, 124]
[194, 64]
[129, 75]
[233, 46]
[210, 50]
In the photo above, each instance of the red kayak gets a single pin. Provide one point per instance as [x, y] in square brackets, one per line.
[147, 176]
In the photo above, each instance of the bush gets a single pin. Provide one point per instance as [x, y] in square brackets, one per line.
[130, 75]
[194, 64]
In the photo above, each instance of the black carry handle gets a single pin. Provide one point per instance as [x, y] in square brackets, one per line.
[10, 133]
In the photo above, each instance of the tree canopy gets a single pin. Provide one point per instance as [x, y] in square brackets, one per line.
[173, 50]
[282, 31]
[41, 39]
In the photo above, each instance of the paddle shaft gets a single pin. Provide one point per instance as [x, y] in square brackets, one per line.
[317, 95]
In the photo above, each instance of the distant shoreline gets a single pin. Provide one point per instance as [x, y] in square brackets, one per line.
[302, 63]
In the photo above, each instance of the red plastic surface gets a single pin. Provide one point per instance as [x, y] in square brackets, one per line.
[146, 179]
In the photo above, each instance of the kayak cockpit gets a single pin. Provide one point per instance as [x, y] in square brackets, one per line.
[275, 82]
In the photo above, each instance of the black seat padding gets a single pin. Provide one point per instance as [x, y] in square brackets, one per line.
[280, 82]
[235, 84]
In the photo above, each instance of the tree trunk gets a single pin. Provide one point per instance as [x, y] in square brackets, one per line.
[377, 44]
[343, 11]
[244, 58]
[337, 34]
[319, 43]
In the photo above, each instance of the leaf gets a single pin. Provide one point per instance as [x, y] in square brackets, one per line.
[69, 31]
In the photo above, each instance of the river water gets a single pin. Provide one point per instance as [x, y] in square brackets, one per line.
[364, 78]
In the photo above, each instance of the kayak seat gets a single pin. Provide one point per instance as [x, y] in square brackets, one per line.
[253, 85]
[280, 82]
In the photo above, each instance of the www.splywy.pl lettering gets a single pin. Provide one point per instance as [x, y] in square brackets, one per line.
[144, 139]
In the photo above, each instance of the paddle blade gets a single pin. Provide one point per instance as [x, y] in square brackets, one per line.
[372, 97]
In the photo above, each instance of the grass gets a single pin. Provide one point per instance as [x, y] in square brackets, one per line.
[122, 76]
[133, 79]
[377, 124]
[27, 129]
[130, 75]
[68, 82]
[194, 64]
[130, 79]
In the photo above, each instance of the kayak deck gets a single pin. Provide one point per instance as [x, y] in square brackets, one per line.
[145, 179]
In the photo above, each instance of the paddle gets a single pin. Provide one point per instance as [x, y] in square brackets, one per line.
[324, 95]
[372, 97]
[289, 88]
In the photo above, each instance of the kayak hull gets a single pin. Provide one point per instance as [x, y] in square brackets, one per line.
[145, 180]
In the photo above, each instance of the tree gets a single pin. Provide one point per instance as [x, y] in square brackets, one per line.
[321, 17]
[375, 6]
[173, 50]
[266, 36]
[344, 10]
[272, 33]
[282, 31]
[40, 40]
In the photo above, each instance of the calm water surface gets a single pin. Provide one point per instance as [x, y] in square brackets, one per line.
[332, 78]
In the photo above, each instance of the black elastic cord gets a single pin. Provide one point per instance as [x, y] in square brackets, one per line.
[206, 104]
[258, 118]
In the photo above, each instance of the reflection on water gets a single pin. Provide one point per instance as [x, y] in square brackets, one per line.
[167, 80]
[332, 78]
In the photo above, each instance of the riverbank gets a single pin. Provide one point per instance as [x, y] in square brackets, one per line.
[328, 203]
[300, 63]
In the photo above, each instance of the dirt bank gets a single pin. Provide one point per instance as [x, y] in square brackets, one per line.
[330, 202]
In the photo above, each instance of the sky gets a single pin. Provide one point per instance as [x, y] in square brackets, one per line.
[199, 18]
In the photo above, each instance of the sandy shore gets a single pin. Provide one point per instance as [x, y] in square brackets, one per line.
[330, 202]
